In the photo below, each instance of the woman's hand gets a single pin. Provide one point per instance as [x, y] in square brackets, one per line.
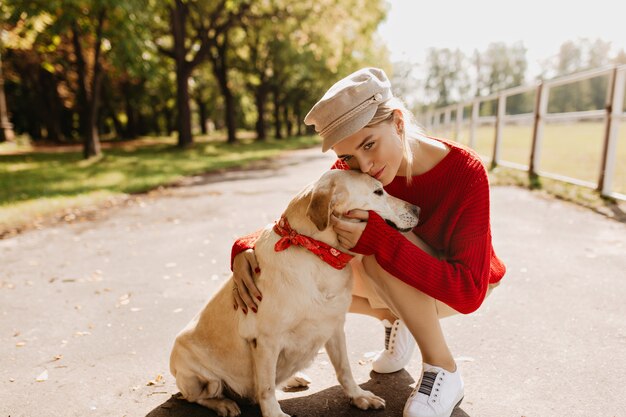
[349, 232]
[245, 291]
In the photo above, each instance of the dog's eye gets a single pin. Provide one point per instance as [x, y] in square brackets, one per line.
[379, 192]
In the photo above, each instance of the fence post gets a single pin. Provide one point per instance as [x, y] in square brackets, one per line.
[473, 123]
[614, 109]
[541, 108]
[447, 116]
[459, 121]
[499, 125]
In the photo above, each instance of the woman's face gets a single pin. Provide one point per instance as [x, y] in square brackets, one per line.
[375, 150]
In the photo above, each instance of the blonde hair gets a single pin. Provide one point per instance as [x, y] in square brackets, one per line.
[410, 133]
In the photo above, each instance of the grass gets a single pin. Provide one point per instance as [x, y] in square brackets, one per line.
[36, 184]
[572, 150]
[582, 196]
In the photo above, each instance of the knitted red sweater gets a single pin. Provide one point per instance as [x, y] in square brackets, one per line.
[454, 220]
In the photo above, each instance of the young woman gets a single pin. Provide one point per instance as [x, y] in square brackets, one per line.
[446, 265]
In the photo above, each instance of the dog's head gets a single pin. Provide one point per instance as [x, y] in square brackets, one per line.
[338, 191]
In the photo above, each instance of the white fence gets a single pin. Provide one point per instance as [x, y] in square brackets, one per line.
[441, 120]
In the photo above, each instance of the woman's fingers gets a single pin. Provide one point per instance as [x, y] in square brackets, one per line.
[357, 214]
[348, 233]
[249, 278]
[238, 301]
[245, 289]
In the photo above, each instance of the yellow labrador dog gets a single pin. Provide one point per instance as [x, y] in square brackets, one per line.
[305, 300]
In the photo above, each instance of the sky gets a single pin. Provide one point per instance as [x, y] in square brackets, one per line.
[413, 26]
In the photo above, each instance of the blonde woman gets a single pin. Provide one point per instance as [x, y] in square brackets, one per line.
[409, 281]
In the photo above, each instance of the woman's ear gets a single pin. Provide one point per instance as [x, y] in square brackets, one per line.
[398, 121]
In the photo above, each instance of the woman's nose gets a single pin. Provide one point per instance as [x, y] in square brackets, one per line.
[365, 164]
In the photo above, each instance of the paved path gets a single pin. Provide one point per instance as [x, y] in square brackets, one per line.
[92, 308]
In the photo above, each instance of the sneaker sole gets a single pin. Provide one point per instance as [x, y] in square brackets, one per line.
[457, 404]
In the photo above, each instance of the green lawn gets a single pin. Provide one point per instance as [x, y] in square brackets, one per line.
[35, 184]
[572, 150]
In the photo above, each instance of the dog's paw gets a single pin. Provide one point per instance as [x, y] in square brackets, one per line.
[225, 408]
[297, 380]
[366, 400]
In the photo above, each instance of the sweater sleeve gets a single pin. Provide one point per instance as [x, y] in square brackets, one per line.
[242, 244]
[460, 280]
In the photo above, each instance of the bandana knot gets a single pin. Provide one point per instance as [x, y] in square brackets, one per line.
[333, 257]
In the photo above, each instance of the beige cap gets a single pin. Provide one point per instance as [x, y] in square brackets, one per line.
[349, 105]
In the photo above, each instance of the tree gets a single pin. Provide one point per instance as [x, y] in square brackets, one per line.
[72, 41]
[200, 31]
[446, 79]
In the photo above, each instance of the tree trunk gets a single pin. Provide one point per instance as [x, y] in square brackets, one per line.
[202, 115]
[288, 122]
[183, 72]
[277, 123]
[6, 128]
[298, 113]
[130, 131]
[260, 97]
[220, 70]
[53, 106]
[92, 139]
[185, 139]
[89, 99]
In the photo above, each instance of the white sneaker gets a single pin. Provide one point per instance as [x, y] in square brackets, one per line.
[437, 393]
[399, 347]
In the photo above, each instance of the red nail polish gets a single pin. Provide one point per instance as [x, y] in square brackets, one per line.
[257, 270]
[245, 311]
[253, 309]
[258, 297]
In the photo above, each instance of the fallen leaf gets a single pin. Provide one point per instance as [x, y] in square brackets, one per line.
[58, 357]
[20, 344]
[158, 380]
[178, 310]
[42, 376]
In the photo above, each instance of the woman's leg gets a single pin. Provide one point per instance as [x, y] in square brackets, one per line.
[417, 310]
[361, 305]
[364, 298]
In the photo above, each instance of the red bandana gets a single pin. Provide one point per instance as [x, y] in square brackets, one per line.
[326, 253]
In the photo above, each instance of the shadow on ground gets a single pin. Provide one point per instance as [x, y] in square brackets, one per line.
[331, 402]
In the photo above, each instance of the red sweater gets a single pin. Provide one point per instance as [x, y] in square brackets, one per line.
[454, 220]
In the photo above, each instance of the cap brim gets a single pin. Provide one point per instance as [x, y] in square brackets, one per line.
[350, 127]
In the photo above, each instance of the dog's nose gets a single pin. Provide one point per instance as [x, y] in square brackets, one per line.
[415, 210]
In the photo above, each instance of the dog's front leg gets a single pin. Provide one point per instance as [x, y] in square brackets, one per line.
[337, 352]
[265, 353]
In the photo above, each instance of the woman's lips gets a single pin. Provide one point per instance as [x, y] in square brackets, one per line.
[378, 174]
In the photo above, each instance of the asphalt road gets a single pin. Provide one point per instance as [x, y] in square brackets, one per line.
[89, 310]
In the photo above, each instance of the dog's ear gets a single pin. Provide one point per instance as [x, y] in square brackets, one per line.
[320, 206]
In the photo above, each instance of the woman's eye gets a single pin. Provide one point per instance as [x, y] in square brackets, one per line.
[346, 158]
[368, 146]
